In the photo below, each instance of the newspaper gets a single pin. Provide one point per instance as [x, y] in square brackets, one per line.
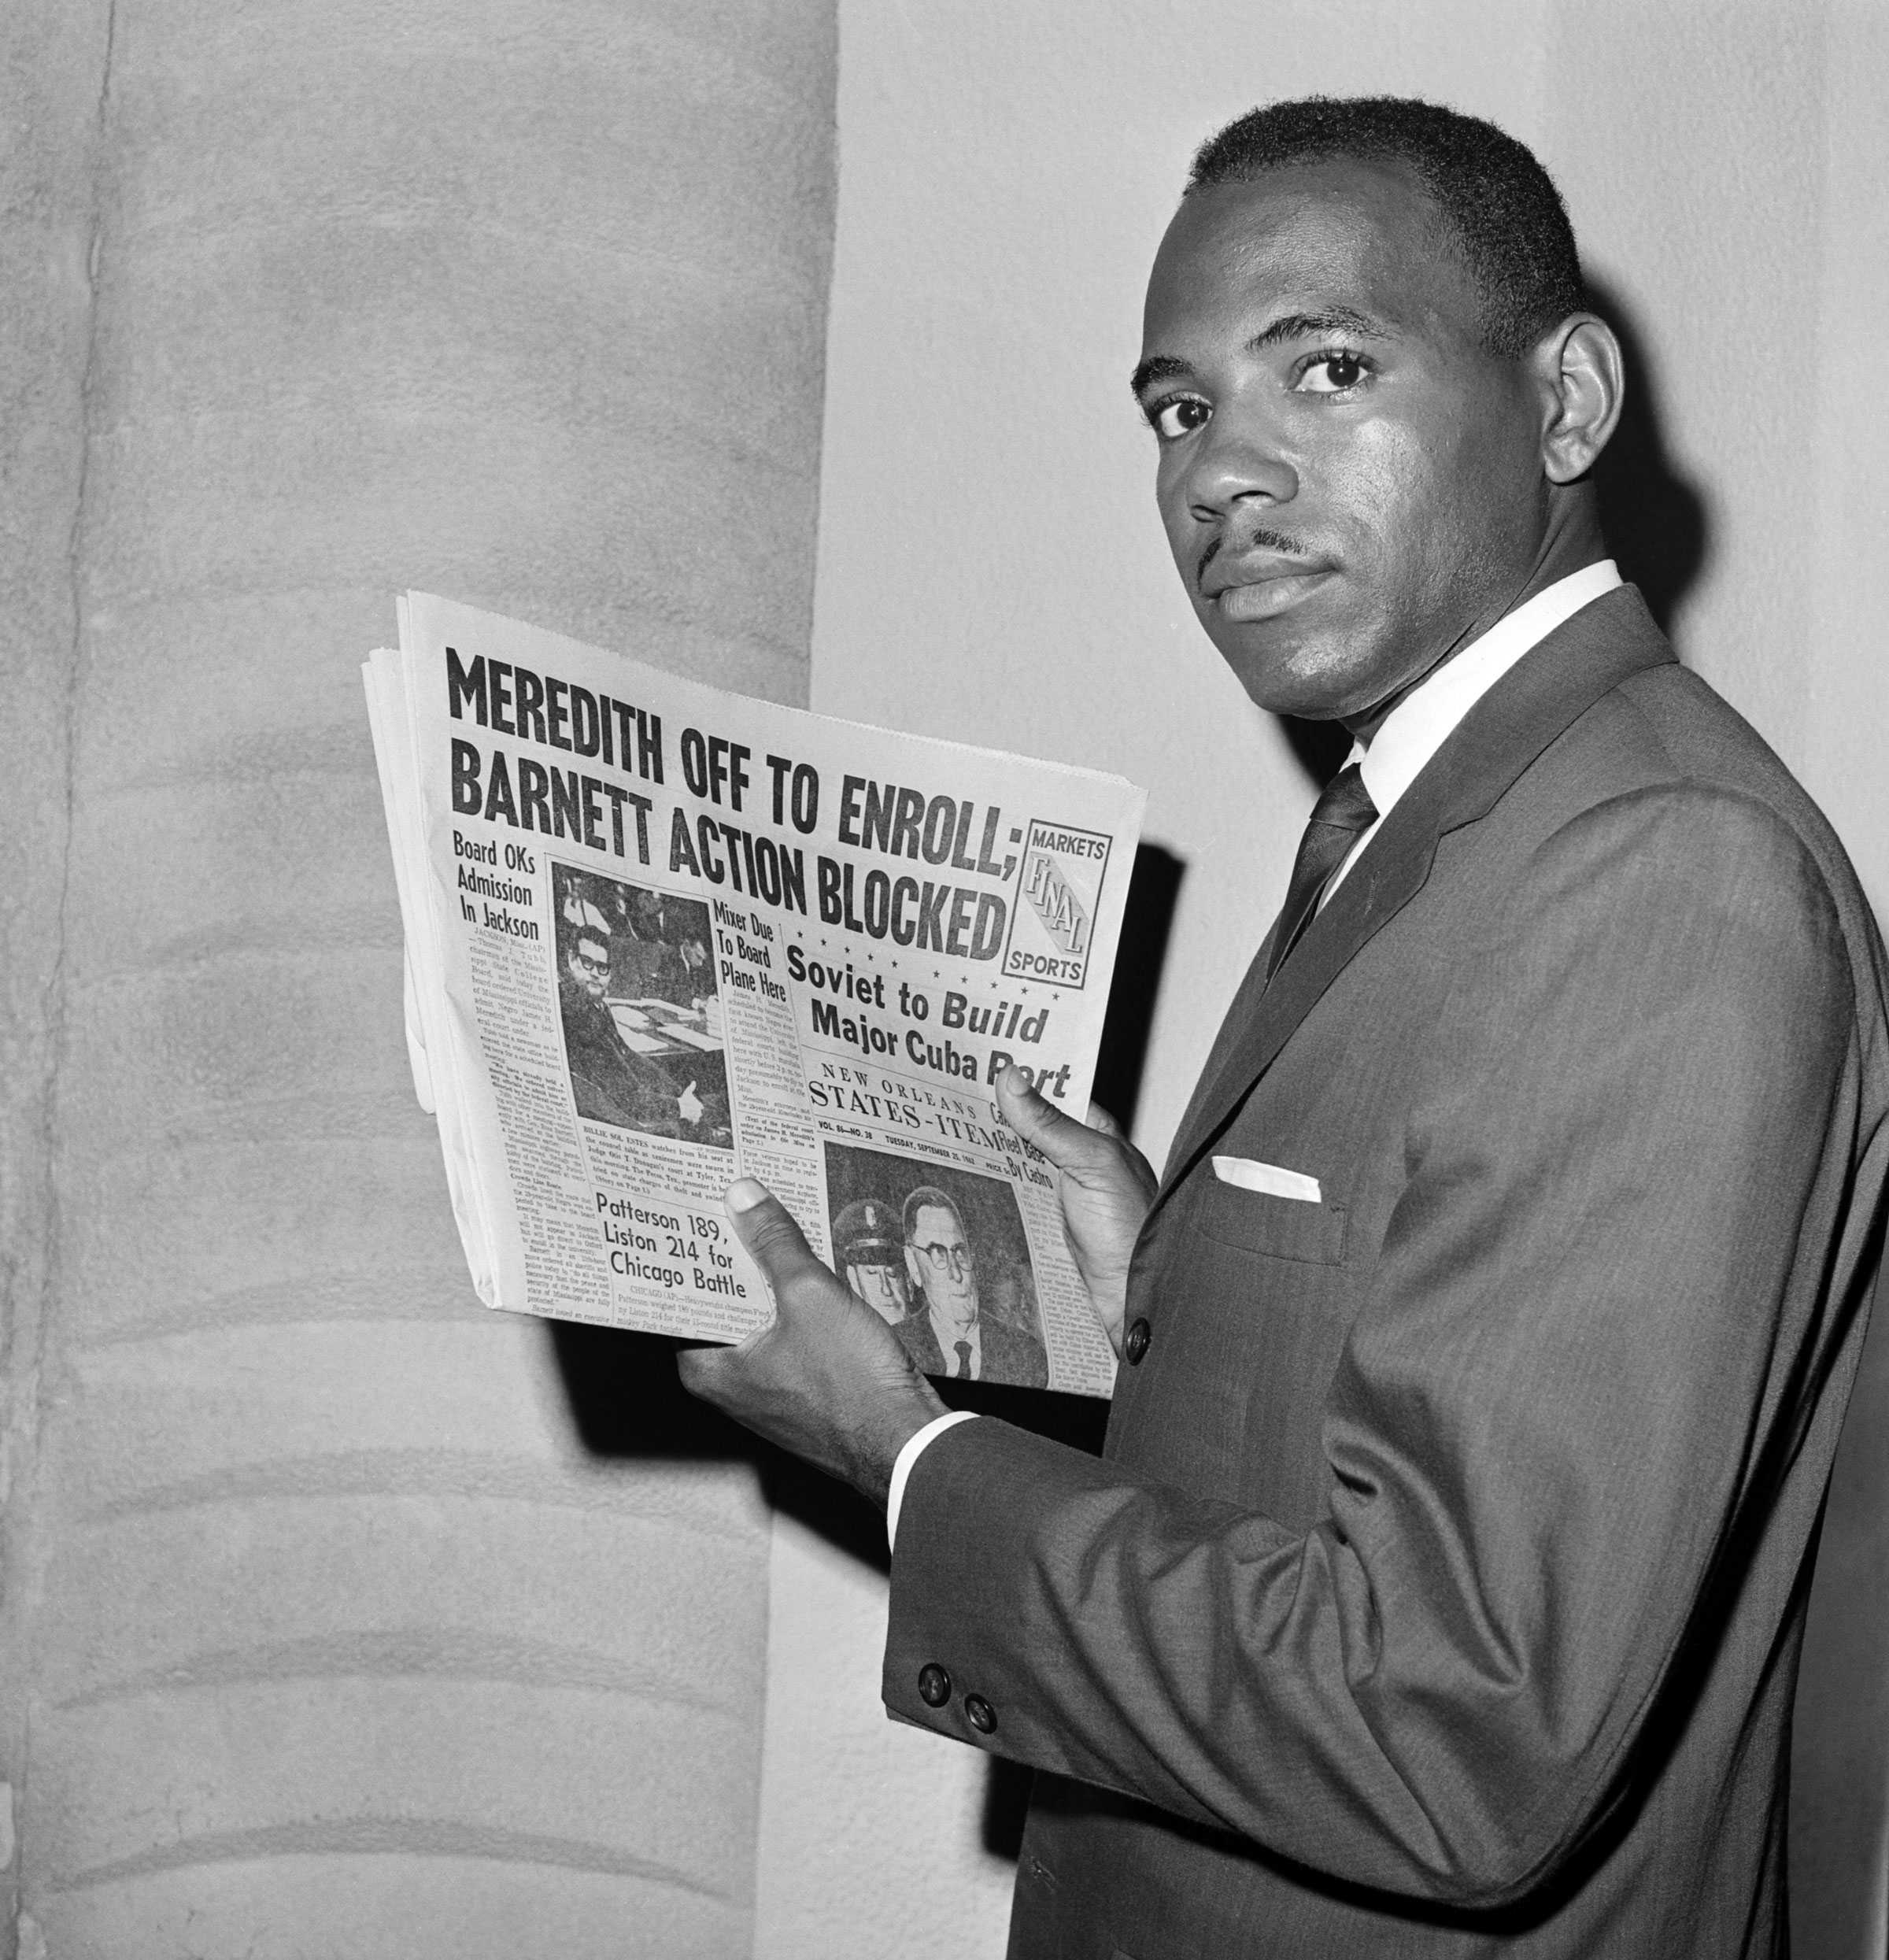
[659, 937]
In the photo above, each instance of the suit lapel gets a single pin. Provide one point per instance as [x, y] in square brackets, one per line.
[1540, 696]
[921, 1343]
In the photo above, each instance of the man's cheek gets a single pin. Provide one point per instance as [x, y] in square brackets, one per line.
[1186, 538]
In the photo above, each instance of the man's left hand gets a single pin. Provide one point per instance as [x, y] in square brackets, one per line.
[828, 1380]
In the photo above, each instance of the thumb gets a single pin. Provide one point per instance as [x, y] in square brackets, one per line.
[1068, 1144]
[766, 1227]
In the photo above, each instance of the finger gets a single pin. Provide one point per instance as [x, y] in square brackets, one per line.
[767, 1229]
[1068, 1144]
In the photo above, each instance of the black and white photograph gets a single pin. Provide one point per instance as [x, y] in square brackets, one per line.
[1432, 457]
[637, 999]
[940, 1254]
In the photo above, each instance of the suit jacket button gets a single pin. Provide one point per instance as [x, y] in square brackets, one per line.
[1136, 1346]
[934, 1685]
[983, 1717]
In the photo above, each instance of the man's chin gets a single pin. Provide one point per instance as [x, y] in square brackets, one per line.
[1301, 681]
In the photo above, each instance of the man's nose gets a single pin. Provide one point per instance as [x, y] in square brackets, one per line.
[1239, 460]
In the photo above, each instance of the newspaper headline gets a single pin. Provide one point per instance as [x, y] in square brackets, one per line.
[659, 935]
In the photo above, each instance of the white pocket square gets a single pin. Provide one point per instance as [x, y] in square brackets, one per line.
[1251, 1175]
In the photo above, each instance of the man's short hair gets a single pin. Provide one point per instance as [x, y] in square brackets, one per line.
[925, 1198]
[1494, 196]
[582, 937]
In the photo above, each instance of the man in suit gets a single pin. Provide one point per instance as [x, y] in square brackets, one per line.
[1487, 1341]
[664, 954]
[974, 1317]
[609, 1082]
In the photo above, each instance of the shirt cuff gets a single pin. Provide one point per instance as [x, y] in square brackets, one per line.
[901, 1469]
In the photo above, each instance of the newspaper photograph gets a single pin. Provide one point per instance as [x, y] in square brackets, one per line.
[659, 935]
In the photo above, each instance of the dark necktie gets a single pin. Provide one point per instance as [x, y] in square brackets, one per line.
[1342, 814]
[963, 1348]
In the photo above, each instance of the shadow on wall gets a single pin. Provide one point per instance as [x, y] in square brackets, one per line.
[1656, 521]
[1153, 891]
[627, 1405]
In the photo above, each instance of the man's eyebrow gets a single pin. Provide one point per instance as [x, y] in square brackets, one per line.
[1157, 368]
[1327, 319]
[1306, 326]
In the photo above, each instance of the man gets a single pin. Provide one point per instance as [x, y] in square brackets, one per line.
[1487, 1339]
[869, 1246]
[609, 1082]
[664, 951]
[958, 1330]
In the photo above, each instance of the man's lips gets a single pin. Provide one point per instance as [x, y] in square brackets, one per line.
[1264, 591]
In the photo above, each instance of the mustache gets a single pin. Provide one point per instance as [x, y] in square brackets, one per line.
[1267, 540]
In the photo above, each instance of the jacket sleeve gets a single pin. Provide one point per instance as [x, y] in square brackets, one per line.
[1586, 1338]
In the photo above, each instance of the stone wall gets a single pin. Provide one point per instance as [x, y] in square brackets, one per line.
[330, 1627]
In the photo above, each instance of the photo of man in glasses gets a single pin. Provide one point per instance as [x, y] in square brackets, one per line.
[610, 1082]
[972, 1318]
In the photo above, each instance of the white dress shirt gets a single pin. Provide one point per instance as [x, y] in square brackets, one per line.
[1425, 719]
[1411, 732]
[948, 1337]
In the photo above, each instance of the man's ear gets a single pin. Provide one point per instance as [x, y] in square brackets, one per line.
[1582, 379]
[911, 1271]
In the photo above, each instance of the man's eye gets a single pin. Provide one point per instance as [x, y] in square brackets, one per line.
[1333, 372]
[1181, 417]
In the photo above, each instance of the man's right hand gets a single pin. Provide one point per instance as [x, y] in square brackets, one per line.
[1106, 1186]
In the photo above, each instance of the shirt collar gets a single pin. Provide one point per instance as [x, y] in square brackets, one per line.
[948, 1336]
[1425, 719]
[942, 1326]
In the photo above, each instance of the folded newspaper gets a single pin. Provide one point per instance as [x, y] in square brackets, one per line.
[659, 937]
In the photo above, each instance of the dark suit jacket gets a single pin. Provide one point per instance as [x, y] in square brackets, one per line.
[1440, 1590]
[609, 1083]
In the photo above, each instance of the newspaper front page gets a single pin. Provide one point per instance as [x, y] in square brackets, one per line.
[660, 937]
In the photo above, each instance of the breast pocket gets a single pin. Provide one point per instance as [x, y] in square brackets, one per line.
[1281, 1228]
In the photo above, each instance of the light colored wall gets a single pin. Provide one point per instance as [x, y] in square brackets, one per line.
[990, 567]
[325, 1631]
[45, 167]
